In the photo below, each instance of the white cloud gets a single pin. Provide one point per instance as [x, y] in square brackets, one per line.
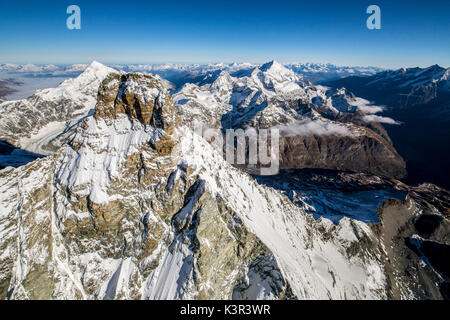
[374, 118]
[366, 107]
[313, 127]
[370, 109]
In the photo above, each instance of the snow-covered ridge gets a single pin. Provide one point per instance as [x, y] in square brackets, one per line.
[413, 77]
[35, 122]
[281, 227]
[33, 75]
[264, 96]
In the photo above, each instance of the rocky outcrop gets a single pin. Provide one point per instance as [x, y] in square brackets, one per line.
[414, 233]
[365, 152]
[140, 97]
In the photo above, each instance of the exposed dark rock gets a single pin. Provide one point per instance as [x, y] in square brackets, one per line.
[367, 153]
[438, 254]
[426, 224]
[405, 251]
[141, 97]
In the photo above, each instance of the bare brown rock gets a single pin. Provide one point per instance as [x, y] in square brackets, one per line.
[368, 153]
[141, 97]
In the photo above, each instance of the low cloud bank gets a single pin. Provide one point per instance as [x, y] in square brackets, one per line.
[366, 107]
[313, 127]
[380, 119]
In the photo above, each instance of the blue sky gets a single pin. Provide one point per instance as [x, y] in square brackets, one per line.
[414, 33]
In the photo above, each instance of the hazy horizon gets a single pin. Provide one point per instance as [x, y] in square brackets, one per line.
[215, 63]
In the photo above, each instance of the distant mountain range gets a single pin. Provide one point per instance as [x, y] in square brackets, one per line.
[33, 77]
[420, 99]
[317, 72]
[403, 87]
[320, 127]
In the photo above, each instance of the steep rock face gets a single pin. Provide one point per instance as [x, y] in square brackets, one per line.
[141, 97]
[415, 234]
[112, 216]
[366, 152]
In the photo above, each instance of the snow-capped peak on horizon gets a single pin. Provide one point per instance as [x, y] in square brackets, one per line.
[274, 67]
[90, 77]
[96, 69]
[276, 71]
[96, 65]
[223, 78]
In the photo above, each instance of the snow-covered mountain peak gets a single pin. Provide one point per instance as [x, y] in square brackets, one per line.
[414, 86]
[223, 82]
[255, 97]
[278, 71]
[273, 66]
[435, 67]
[88, 81]
[96, 66]
[95, 70]
[51, 112]
[132, 110]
